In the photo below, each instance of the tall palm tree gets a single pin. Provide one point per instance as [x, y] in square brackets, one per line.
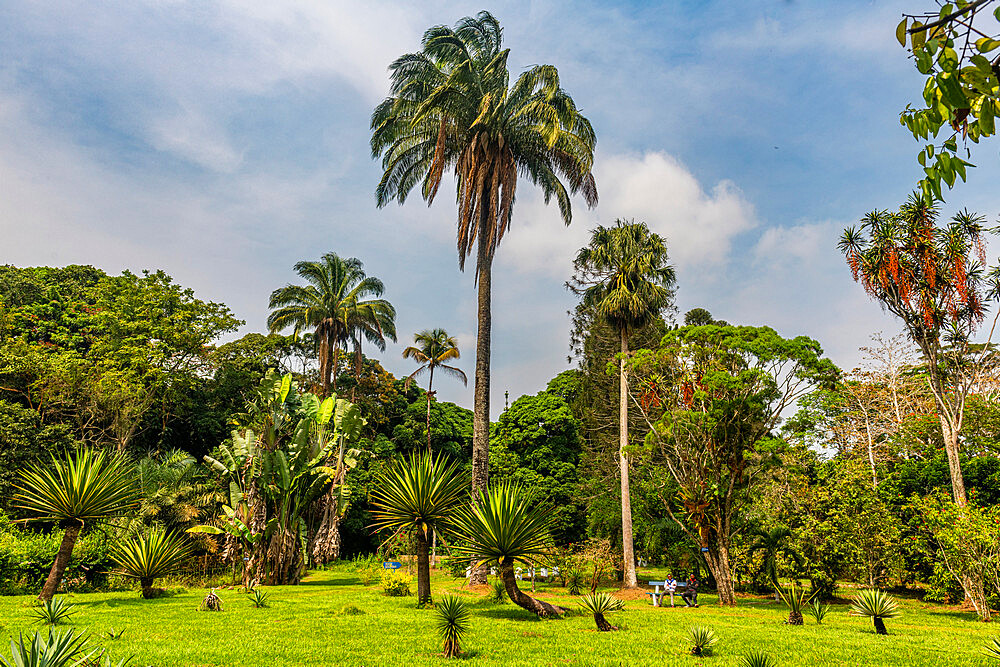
[373, 321]
[337, 305]
[419, 495]
[75, 491]
[433, 348]
[451, 106]
[624, 277]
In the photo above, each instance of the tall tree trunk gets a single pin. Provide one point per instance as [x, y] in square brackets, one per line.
[629, 579]
[430, 383]
[481, 399]
[358, 362]
[62, 560]
[325, 545]
[521, 599]
[324, 361]
[717, 558]
[333, 367]
[954, 464]
[423, 569]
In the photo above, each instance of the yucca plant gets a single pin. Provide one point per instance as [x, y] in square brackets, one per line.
[878, 606]
[757, 659]
[502, 528]
[258, 598]
[992, 648]
[57, 649]
[151, 556]
[498, 594]
[212, 602]
[76, 490]
[702, 639]
[452, 622]
[574, 581]
[818, 610]
[54, 611]
[795, 598]
[419, 495]
[600, 604]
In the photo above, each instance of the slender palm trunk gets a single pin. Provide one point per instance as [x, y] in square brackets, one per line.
[333, 367]
[523, 600]
[423, 569]
[430, 384]
[62, 561]
[629, 579]
[358, 361]
[481, 397]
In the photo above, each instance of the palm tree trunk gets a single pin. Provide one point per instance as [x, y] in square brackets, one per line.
[324, 362]
[358, 361]
[430, 383]
[629, 579]
[333, 366]
[423, 570]
[481, 396]
[62, 561]
[523, 600]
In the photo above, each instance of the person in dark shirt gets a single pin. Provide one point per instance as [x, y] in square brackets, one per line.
[690, 595]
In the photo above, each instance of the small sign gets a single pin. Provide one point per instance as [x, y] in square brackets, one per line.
[391, 565]
[704, 550]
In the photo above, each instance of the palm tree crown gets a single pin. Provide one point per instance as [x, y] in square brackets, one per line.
[336, 304]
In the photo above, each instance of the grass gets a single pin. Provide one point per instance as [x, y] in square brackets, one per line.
[308, 625]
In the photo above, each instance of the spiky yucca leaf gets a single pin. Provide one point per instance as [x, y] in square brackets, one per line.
[876, 605]
[419, 493]
[574, 580]
[57, 649]
[498, 593]
[757, 659]
[795, 599]
[258, 598]
[54, 611]
[992, 648]
[818, 610]
[452, 622]
[601, 603]
[85, 487]
[152, 555]
[702, 639]
[501, 527]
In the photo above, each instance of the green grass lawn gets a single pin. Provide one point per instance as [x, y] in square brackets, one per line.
[307, 625]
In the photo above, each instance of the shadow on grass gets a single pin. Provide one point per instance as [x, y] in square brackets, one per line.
[512, 613]
[325, 581]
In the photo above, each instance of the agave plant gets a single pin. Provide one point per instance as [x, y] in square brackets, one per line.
[877, 605]
[58, 649]
[600, 604]
[757, 659]
[258, 598]
[702, 639]
[78, 489]
[54, 611]
[498, 594]
[818, 610]
[452, 622]
[574, 581]
[992, 648]
[151, 556]
[419, 495]
[501, 529]
[795, 599]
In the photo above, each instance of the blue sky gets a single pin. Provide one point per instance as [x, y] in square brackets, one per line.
[224, 141]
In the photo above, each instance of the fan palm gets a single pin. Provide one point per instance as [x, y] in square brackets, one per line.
[433, 348]
[151, 556]
[501, 529]
[877, 605]
[623, 275]
[75, 490]
[419, 495]
[337, 305]
[452, 107]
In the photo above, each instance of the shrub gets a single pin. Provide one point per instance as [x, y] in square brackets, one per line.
[757, 659]
[26, 557]
[702, 640]
[574, 581]
[395, 584]
[818, 610]
[57, 649]
[54, 611]
[352, 610]
[258, 598]
[498, 594]
[599, 604]
[452, 622]
[795, 599]
[151, 556]
[877, 605]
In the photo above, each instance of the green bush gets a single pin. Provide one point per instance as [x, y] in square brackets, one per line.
[395, 584]
[942, 586]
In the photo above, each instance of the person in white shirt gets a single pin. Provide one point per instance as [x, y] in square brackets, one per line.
[671, 587]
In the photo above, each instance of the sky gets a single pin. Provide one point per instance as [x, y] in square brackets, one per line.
[222, 142]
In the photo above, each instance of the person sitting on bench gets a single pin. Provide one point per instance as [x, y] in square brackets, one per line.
[690, 594]
[671, 587]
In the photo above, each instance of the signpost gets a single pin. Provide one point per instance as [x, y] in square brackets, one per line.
[391, 565]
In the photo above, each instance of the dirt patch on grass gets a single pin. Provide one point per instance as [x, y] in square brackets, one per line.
[631, 594]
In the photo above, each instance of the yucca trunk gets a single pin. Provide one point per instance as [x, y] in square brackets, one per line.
[602, 623]
[523, 600]
[629, 579]
[72, 532]
[481, 395]
[795, 618]
[148, 592]
[879, 626]
[423, 569]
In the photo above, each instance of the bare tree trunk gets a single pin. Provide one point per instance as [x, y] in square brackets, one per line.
[954, 463]
[325, 545]
[423, 570]
[629, 578]
[481, 400]
[523, 600]
[63, 556]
